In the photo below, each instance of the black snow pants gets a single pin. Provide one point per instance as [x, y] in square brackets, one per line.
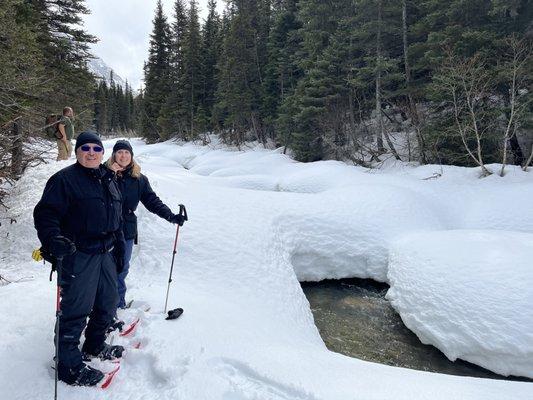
[88, 289]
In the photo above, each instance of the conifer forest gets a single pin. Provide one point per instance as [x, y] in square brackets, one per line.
[428, 81]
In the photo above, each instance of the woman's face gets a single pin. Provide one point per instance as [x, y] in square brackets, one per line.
[123, 158]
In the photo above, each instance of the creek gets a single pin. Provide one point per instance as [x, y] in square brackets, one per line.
[354, 318]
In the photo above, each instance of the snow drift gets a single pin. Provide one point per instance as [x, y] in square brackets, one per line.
[468, 293]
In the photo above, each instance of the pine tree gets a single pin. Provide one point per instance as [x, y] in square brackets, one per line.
[65, 45]
[308, 105]
[192, 82]
[156, 75]
[100, 108]
[139, 112]
[211, 51]
[173, 114]
[22, 65]
[239, 91]
[127, 108]
[281, 72]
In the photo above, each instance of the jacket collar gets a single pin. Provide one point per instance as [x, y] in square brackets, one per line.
[93, 172]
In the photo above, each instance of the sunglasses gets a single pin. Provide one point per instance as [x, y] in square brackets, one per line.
[96, 149]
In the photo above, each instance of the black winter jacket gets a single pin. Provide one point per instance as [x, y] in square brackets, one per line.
[134, 190]
[82, 204]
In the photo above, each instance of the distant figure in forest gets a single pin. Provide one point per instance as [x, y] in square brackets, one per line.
[65, 128]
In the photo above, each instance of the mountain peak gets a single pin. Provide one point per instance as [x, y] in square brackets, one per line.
[98, 67]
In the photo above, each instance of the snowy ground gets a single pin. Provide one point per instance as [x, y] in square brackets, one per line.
[259, 222]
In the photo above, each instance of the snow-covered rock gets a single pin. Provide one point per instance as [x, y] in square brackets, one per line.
[468, 293]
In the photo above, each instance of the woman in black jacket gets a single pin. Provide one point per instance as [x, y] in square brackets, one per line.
[134, 187]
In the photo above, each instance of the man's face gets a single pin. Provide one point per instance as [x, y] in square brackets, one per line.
[88, 157]
[70, 113]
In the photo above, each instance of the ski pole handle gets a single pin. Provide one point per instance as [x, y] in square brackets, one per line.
[183, 212]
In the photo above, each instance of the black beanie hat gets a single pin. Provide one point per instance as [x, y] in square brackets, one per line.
[88, 137]
[123, 145]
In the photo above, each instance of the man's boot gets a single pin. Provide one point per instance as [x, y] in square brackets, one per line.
[116, 325]
[84, 375]
[104, 352]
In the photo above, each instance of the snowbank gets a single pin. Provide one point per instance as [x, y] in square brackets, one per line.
[468, 293]
[347, 232]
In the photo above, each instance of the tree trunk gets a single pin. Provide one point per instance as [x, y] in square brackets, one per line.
[391, 146]
[16, 148]
[192, 105]
[412, 105]
[530, 158]
[518, 154]
[352, 113]
[379, 133]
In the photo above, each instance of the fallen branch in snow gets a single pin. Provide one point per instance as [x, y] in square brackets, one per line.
[434, 176]
[4, 281]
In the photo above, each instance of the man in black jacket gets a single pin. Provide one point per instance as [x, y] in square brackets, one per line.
[79, 219]
[134, 188]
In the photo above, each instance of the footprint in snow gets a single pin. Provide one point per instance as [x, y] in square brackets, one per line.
[248, 384]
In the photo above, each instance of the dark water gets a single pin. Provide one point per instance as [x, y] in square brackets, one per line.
[355, 319]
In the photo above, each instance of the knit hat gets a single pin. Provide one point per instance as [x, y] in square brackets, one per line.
[123, 145]
[88, 137]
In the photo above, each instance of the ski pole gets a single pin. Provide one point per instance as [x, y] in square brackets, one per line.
[182, 212]
[58, 314]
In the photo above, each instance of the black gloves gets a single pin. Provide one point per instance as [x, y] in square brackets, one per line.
[118, 253]
[177, 219]
[60, 246]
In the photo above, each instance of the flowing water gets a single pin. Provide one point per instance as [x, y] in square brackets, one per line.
[355, 319]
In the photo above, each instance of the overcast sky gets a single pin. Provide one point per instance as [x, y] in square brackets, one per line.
[123, 27]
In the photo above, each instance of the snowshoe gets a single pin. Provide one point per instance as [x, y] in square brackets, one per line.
[105, 352]
[82, 376]
[116, 325]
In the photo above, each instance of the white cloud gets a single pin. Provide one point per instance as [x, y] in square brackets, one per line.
[124, 27]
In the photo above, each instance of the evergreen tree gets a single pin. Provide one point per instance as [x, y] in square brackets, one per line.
[211, 50]
[127, 108]
[156, 75]
[100, 108]
[22, 65]
[239, 91]
[193, 80]
[308, 104]
[281, 72]
[139, 113]
[173, 114]
[112, 104]
[114, 108]
[65, 46]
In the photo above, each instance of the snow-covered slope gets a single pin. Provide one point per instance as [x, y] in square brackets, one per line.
[99, 68]
[258, 222]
